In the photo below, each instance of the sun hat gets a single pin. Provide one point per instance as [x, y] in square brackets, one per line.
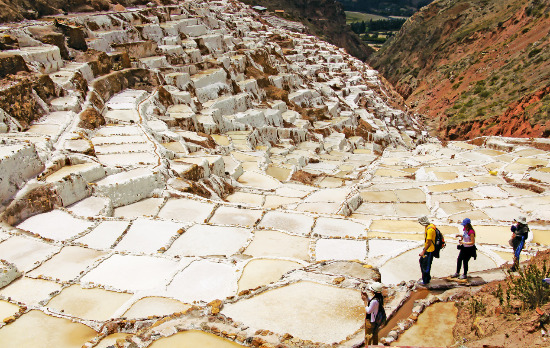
[376, 287]
[521, 220]
[466, 222]
[423, 220]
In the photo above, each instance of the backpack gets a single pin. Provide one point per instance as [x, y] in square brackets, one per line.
[381, 318]
[439, 242]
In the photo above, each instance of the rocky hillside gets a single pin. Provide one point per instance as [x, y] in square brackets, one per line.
[475, 67]
[16, 10]
[325, 19]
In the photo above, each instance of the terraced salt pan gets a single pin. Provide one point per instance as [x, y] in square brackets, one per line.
[104, 235]
[321, 208]
[258, 180]
[268, 243]
[406, 266]
[56, 224]
[193, 339]
[186, 210]
[128, 159]
[91, 207]
[387, 248]
[279, 201]
[68, 264]
[30, 291]
[89, 171]
[434, 327]
[132, 273]
[155, 306]
[203, 280]
[47, 331]
[26, 253]
[295, 223]
[145, 207]
[503, 213]
[340, 249]
[259, 272]
[246, 198]
[455, 207]
[329, 227]
[306, 310]
[7, 309]
[203, 240]
[461, 185]
[90, 304]
[148, 236]
[235, 216]
[111, 340]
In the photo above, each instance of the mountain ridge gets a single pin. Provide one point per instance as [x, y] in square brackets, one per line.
[474, 67]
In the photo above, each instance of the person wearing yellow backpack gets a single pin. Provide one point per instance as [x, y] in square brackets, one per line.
[426, 255]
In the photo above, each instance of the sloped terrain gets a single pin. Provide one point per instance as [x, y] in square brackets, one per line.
[475, 67]
[194, 175]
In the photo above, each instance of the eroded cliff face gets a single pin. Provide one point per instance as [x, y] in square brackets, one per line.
[323, 18]
[475, 67]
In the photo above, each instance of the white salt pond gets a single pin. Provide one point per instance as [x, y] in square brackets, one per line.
[56, 225]
[340, 249]
[30, 291]
[295, 223]
[235, 216]
[26, 253]
[204, 280]
[104, 235]
[132, 273]
[268, 243]
[311, 311]
[186, 210]
[203, 240]
[148, 236]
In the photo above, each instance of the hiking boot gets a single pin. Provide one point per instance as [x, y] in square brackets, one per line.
[464, 276]
[454, 275]
[421, 283]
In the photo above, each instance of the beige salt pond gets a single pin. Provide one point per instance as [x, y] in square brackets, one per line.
[307, 310]
[264, 271]
[92, 304]
[278, 173]
[7, 309]
[47, 332]
[155, 306]
[246, 198]
[194, 339]
[111, 340]
[64, 171]
[258, 180]
[434, 327]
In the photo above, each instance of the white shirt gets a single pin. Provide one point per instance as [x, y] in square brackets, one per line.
[372, 309]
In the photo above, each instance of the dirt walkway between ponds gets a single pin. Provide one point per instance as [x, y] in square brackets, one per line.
[483, 322]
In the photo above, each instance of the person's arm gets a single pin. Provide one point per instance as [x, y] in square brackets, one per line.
[427, 244]
[373, 307]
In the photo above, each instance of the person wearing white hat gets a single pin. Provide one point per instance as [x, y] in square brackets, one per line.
[426, 255]
[520, 232]
[373, 306]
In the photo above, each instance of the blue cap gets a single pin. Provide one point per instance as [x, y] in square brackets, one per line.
[466, 221]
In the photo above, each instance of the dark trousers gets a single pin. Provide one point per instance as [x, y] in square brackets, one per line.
[517, 243]
[464, 256]
[426, 266]
[371, 333]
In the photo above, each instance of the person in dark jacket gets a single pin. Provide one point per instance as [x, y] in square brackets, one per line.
[520, 232]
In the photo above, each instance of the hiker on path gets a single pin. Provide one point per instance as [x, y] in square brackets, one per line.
[520, 231]
[426, 255]
[375, 304]
[467, 247]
